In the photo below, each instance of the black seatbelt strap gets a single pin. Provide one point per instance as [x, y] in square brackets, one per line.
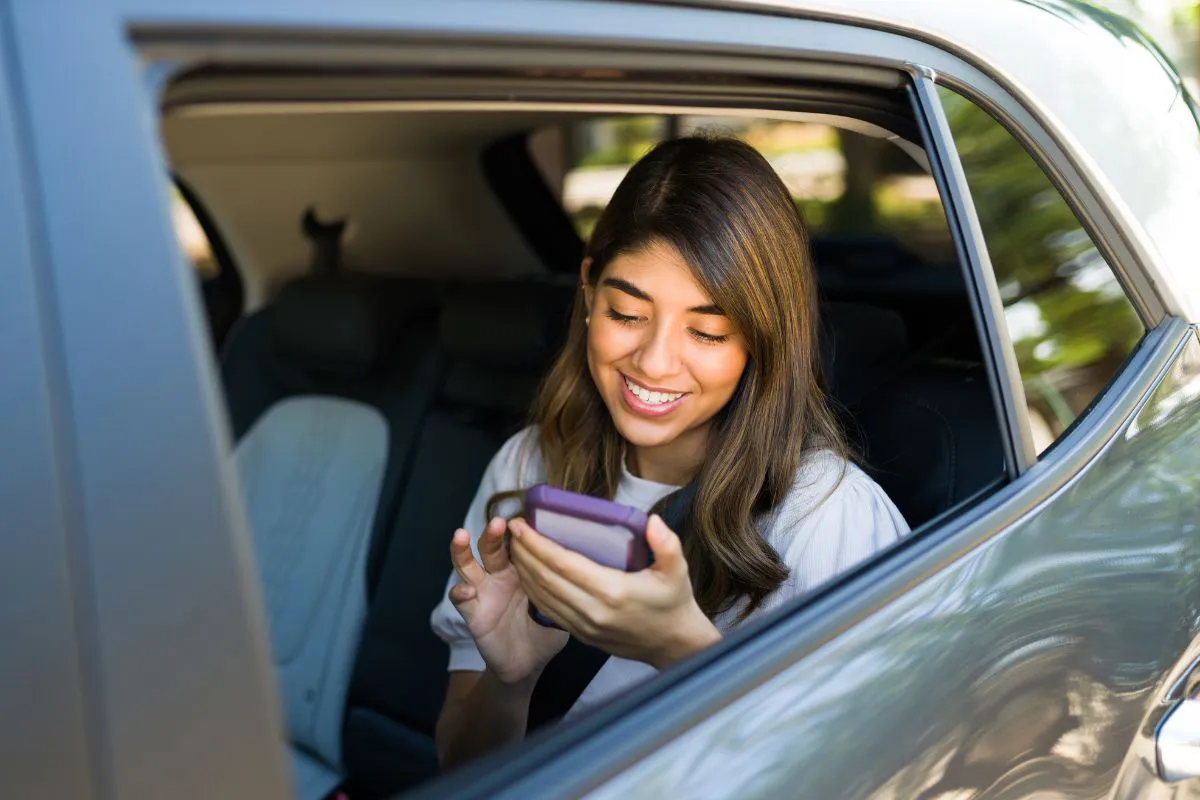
[570, 672]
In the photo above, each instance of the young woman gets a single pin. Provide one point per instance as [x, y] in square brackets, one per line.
[691, 359]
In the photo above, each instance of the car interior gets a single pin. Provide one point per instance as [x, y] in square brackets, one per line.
[391, 267]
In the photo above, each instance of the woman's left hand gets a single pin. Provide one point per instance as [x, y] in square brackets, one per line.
[650, 615]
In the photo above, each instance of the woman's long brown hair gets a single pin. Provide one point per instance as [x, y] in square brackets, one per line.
[723, 208]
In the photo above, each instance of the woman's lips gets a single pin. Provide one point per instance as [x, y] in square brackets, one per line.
[644, 408]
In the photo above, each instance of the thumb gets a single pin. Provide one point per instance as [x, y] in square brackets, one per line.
[665, 544]
[464, 597]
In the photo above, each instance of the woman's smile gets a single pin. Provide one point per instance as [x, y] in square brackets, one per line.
[652, 402]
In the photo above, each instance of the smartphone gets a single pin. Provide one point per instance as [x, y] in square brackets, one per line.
[606, 532]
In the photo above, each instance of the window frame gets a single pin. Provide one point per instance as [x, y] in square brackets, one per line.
[163, 605]
[43, 540]
[1008, 393]
[566, 760]
[631, 731]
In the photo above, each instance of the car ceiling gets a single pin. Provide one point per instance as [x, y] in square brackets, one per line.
[405, 175]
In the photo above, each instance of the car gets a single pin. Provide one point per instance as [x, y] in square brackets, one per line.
[281, 276]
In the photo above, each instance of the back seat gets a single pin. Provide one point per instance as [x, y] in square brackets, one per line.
[931, 438]
[497, 341]
[326, 388]
[926, 428]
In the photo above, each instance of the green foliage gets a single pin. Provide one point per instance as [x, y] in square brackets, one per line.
[626, 139]
[1040, 254]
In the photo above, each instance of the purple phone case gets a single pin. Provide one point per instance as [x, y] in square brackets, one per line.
[606, 532]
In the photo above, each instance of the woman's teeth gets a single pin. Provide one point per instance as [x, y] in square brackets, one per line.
[653, 398]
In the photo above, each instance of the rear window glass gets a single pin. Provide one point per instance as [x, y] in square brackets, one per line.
[1071, 324]
[846, 184]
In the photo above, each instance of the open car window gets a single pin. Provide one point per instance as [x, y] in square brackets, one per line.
[431, 257]
[849, 186]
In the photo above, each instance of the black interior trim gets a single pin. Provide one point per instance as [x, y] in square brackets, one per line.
[227, 287]
[532, 207]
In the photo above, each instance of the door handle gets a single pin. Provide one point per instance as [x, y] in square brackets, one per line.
[1178, 742]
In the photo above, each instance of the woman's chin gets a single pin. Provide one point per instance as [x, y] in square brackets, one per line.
[643, 432]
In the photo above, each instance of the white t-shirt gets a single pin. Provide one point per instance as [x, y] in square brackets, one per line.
[823, 527]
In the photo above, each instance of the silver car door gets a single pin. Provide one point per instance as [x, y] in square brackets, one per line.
[45, 713]
[176, 685]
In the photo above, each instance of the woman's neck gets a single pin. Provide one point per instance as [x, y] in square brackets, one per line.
[674, 463]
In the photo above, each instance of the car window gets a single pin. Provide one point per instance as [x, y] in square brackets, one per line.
[1071, 323]
[846, 184]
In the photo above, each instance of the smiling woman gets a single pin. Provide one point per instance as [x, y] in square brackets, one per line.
[691, 361]
[664, 357]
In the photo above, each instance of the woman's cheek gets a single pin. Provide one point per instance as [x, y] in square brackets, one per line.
[718, 368]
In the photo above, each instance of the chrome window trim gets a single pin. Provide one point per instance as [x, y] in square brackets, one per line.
[1004, 375]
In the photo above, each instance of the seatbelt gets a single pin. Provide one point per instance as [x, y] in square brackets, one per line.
[570, 672]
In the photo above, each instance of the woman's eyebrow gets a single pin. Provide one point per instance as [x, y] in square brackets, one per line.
[628, 288]
[633, 291]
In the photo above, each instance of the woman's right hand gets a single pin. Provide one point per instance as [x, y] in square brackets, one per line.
[491, 600]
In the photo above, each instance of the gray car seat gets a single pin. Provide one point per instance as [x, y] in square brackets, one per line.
[327, 388]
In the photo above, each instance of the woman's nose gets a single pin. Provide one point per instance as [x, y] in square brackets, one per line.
[658, 356]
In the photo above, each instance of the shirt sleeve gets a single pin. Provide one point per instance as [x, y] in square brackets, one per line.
[852, 523]
[501, 475]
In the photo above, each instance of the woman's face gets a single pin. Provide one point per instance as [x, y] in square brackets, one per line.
[663, 356]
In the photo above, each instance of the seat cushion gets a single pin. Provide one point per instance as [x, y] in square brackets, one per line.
[312, 779]
[311, 470]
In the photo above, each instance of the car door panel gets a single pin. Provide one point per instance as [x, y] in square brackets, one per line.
[178, 678]
[1030, 665]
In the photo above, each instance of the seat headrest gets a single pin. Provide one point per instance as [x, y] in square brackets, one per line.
[500, 339]
[342, 323]
[858, 343]
[505, 324]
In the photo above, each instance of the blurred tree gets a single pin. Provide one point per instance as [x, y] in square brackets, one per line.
[855, 211]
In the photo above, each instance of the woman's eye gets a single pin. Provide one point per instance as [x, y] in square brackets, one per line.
[708, 338]
[617, 316]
